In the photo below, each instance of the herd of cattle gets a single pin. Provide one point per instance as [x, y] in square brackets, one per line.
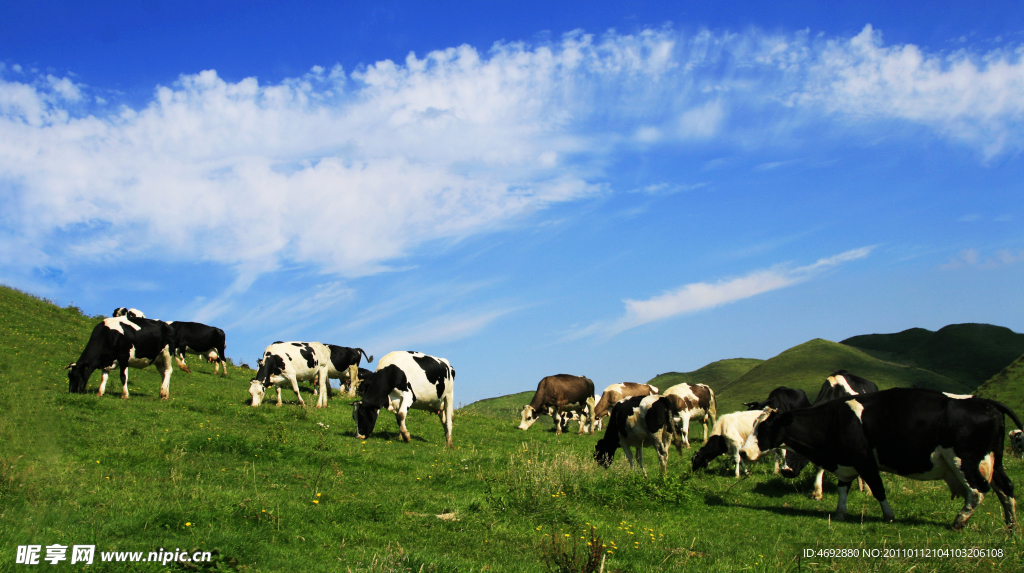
[851, 430]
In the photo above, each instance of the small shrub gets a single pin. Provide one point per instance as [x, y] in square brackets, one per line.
[583, 559]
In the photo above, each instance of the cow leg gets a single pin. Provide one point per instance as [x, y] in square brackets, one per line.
[591, 407]
[400, 415]
[659, 447]
[322, 382]
[844, 490]
[739, 463]
[446, 420]
[629, 455]
[180, 359]
[557, 415]
[640, 458]
[704, 424]
[103, 383]
[818, 478]
[124, 382]
[685, 428]
[868, 471]
[1004, 489]
[163, 363]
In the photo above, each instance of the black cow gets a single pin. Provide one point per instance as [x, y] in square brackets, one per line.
[197, 338]
[840, 384]
[912, 432]
[124, 341]
[782, 399]
[342, 358]
[406, 380]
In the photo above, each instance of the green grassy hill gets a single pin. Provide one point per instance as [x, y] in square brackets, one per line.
[268, 489]
[967, 353]
[806, 366]
[716, 375]
[503, 407]
[1007, 387]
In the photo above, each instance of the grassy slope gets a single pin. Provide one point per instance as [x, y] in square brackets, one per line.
[716, 375]
[204, 470]
[806, 366]
[1007, 387]
[967, 353]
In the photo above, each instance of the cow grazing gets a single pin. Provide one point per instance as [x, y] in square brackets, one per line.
[1017, 443]
[615, 393]
[342, 358]
[637, 422]
[728, 435]
[125, 341]
[782, 399]
[840, 384]
[916, 433]
[291, 362]
[132, 312]
[699, 403]
[200, 339]
[404, 380]
[556, 394]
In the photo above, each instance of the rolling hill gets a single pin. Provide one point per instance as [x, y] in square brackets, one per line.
[967, 353]
[807, 365]
[1007, 386]
[715, 375]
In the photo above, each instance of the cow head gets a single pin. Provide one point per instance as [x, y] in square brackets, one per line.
[715, 447]
[529, 416]
[604, 451]
[365, 417]
[765, 434]
[257, 390]
[78, 378]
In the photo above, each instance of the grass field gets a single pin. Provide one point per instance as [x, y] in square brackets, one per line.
[290, 489]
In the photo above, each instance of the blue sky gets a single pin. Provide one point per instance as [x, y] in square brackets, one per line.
[602, 189]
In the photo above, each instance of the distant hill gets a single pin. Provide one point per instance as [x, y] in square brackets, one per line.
[807, 365]
[967, 353]
[1008, 387]
[503, 407]
[715, 375]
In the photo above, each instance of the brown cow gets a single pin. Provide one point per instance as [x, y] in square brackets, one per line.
[700, 404]
[615, 393]
[556, 394]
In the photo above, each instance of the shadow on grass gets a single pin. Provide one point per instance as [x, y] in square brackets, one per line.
[720, 501]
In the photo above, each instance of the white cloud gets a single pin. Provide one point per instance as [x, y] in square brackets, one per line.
[352, 172]
[700, 296]
[972, 258]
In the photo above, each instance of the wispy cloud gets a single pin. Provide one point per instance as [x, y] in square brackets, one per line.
[972, 258]
[440, 329]
[700, 296]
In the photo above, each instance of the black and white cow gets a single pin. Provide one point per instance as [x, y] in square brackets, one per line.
[912, 432]
[405, 380]
[342, 358]
[132, 312]
[1017, 443]
[290, 363]
[125, 341]
[727, 437]
[840, 384]
[636, 422]
[200, 339]
[699, 404]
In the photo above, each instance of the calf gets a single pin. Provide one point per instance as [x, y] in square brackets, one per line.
[200, 339]
[1017, 443]
[730, 431]
[555, 394]
[699, 403]
[614, 394]
[124, 341]
[637, 422]
[407, 380]
[916, 433]
[291, 362]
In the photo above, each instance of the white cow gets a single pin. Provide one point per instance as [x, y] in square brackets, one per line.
[699, 403]
[731, 430]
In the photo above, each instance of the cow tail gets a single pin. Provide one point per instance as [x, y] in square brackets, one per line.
[369, 359]
[714, 408]
[1006, 410]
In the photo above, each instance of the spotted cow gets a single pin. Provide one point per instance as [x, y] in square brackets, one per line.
[122, 342]
[291, 363]
[1017, 443]
[405, 380]
[132, 312]
[342, 359]
[200, 339]
[699, 403]
[637, 422]
[917, 433]
[614, 394]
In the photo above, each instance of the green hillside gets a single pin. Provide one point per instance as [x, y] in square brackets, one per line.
[503, 407]
[1007, 387]
[715, 375]
[806, 366]
[967, 353]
